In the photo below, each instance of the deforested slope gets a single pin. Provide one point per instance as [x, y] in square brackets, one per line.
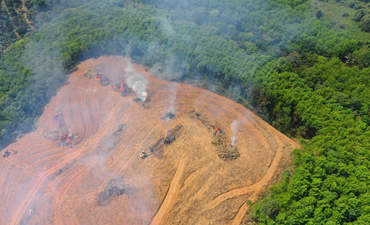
[100, 155]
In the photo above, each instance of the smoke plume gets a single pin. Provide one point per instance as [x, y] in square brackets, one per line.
[234, 129]
[137, 82]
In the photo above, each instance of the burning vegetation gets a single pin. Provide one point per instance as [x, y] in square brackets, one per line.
[129, 81]
[157, 148]
[224, 147]
[63, 133]
[88, 182]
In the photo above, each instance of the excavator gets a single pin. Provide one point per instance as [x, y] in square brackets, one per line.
[104, 81]
[66, 137]
[122, 88]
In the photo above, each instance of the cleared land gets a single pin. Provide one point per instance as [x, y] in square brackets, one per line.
[187, 176]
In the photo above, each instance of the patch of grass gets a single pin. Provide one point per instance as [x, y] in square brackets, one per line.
[340, 14]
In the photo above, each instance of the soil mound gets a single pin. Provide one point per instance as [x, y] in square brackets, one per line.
[118, 146]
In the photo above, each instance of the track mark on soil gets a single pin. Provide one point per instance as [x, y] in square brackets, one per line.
[170, 197]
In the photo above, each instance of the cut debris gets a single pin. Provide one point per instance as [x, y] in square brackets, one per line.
[224, 148]
[6, 154]
[172, 134]
[157, 146]
[113, 189]
[52, 135]
[168, 116]
[202, 119]
[90, 73]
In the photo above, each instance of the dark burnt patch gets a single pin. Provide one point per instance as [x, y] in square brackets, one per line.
[168, 116]
[112, 190]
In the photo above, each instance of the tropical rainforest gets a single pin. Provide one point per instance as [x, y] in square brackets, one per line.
[302, 65]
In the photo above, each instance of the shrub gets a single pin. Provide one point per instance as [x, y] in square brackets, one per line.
[319, 14]
[365, 23]
[358, 15]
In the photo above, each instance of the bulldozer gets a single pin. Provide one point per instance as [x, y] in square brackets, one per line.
[143, 155]
[104, 81]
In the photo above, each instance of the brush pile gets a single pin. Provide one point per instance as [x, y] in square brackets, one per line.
[224, 148]
[113, 189]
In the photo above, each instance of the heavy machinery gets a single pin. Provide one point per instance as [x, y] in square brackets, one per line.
[104, 81]
[122, 88]
[143, 155]
[66, 137]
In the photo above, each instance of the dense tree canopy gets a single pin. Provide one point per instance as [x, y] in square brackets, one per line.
[302, 74]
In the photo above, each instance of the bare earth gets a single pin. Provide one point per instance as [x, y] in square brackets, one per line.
[102, 180]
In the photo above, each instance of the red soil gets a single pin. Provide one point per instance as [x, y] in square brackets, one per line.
[45, 183]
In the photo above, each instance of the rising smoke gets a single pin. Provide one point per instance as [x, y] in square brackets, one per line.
[136, 81]
[44, 58]
[234, 130]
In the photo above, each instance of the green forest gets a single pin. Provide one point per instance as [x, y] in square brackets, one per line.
[303, 65]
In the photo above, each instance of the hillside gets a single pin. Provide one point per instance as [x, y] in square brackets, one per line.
[301, 65]
[187, 181]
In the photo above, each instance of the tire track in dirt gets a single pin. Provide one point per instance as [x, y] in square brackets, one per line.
[242, 191]
[256, 188]
[40, 181]
[170, 197]
[185, 179]
[120, 169]
[61, 195]
[64, 189]
[259, 188]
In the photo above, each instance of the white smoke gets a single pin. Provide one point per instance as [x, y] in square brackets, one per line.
[172, 98]
[137, 82]
[234, 129]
